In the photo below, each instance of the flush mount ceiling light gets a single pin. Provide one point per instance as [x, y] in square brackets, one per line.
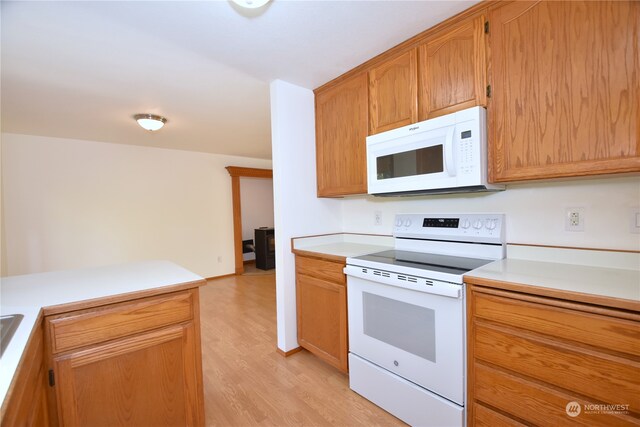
[150, 122]
[251, 4]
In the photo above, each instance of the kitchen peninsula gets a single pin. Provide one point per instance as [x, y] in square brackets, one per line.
[93, 341]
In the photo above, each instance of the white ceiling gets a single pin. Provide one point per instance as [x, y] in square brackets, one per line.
[82, 69]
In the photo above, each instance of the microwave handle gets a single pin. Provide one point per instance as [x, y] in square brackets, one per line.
[450, 152]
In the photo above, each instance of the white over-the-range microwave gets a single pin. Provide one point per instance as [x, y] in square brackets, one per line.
[447, 154]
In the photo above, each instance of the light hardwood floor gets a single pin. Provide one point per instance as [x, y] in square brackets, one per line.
[247, 383]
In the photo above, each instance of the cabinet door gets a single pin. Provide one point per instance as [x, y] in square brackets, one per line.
[452, 70]
[393, 93]
[26, 402]
[322, 319]
[565, 86]
[147, 379]
[341, 132]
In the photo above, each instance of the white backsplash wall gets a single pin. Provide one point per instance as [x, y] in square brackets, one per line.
[535, 212]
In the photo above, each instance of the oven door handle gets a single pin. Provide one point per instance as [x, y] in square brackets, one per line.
[438, 288]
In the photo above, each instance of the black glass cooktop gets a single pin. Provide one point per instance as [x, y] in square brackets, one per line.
[424, 261]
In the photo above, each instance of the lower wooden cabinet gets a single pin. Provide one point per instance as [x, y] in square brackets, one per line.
[26, 404]
[321, 296]
[543, 361]
[134, 363]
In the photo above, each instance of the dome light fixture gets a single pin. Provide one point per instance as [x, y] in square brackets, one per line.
[250, 4]
[150, 122]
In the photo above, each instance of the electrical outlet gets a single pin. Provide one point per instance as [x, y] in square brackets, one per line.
[634, 220]
[574, 219]
[377, 217]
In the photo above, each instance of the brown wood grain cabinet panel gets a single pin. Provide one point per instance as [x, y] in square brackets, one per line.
[26, 401]
[132, 363]
[321, 269]
[98, 325]
[565, 86]
[393, 93]
[530, 355]
[533, 402]
[561, 365]
[322, 314]
[485, 417]
[452, 69]
[341, 132]
[607, 332]
[142, 380]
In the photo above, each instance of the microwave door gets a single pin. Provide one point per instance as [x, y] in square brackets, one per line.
[414, 162]
[450, 151]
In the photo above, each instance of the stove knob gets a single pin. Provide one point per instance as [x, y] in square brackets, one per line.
[407, 222]
[465, 223]
[492, 223]
[399, 222]
[477, 224]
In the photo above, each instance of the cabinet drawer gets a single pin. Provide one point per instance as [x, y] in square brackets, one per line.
[327, 270]
[118, 320]
[603, 377]
[485, 417]
[532, 402]
[598, 330]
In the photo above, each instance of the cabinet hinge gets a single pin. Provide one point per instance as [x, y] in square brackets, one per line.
[488, 91]
[52, 378]
[486, 27]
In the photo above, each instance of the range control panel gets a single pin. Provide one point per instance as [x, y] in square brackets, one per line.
[456, 227]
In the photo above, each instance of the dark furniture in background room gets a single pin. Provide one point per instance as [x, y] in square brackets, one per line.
[265, 246]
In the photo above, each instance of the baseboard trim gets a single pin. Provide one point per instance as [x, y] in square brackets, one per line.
[219, 277]
[288, 353]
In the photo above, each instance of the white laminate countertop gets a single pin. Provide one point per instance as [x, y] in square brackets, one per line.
[28, 294]
[585, 274]
[343, 244]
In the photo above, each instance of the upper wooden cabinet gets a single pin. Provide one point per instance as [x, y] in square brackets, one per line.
[452, 69]
[393, 93]
[564, 80]
[565, 86]
[341, 131]
[443, 74]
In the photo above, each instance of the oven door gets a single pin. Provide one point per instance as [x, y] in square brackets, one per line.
[416, 335]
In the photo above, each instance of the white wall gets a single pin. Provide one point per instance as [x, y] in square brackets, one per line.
[297, 210]
[72, 204]
[534, 212]
[256, 201]
[3, 246]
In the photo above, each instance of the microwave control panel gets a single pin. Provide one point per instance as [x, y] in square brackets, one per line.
[466, 144]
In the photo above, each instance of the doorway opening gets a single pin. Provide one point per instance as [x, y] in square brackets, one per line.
[236, 174]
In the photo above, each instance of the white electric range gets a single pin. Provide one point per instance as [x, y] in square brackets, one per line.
[407, 314]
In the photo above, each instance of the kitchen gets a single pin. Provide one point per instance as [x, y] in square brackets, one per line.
[534, 210]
